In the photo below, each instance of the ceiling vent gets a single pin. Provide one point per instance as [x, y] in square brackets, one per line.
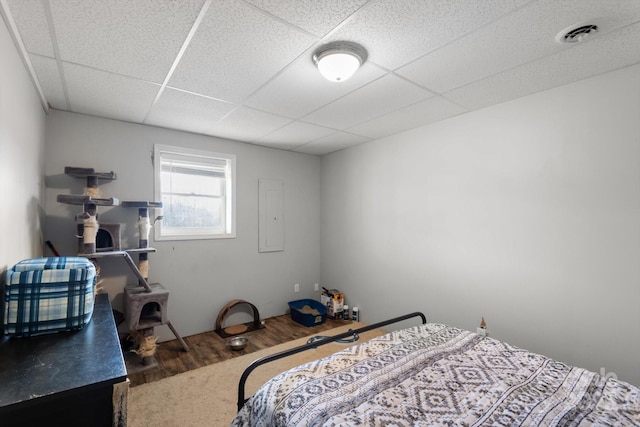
[576, 33]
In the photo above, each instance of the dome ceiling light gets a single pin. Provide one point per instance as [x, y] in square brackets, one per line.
[337, 61]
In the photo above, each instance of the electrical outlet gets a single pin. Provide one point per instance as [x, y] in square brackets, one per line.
[316, 287]
[296, 287]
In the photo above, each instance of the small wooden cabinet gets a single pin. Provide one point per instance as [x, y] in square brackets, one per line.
[71, 378]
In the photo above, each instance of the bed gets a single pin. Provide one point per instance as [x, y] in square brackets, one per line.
[436, 375]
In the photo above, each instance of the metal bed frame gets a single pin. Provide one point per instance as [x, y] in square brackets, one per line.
[312, 345]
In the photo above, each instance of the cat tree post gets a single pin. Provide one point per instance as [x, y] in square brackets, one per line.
[144, 229]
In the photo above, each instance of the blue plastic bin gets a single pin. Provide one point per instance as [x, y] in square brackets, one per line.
[299, 313]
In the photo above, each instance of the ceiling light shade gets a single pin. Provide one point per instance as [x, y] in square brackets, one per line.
[338, 61]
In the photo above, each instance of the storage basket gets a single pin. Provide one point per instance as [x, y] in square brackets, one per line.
[308, 312]
[47, 295]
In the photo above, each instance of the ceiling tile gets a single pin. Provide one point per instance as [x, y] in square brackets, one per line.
[108, 95]
[594, 56]
[523, 36]
[316, 17]
[373, 100]
[420, 114]
[31, 19]
[236, 50]
[49, 79]
[330, 143]
[133, 38]
[397, 31]
[301, 89]
[247, 124]
[294, 134]
[186, 111]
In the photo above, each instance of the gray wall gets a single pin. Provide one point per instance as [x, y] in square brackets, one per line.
[22, 124]
[526, 213]
[202, 275]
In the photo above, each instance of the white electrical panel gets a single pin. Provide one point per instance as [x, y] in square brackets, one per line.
[271, 215]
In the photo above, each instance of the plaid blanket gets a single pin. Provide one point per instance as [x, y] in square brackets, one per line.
[46, 295]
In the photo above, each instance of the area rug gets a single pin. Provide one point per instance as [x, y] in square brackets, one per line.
[208, 396]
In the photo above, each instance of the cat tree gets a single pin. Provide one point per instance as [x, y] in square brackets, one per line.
[145, 304]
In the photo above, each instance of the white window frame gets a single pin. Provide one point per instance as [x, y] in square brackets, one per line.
[202, 157]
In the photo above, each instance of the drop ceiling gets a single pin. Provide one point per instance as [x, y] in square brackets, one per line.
[242, 69]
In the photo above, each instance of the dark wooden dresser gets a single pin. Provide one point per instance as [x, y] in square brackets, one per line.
[69, 379]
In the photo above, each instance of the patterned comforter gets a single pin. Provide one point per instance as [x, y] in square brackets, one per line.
[436, 375]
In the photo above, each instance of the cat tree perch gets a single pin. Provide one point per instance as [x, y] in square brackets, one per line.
[145, 304]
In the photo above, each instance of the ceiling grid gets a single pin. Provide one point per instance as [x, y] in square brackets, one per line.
[242, 69]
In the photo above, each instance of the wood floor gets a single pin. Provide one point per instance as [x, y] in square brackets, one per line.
[209, 347]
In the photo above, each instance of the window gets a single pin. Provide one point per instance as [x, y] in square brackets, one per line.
[197, 190]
